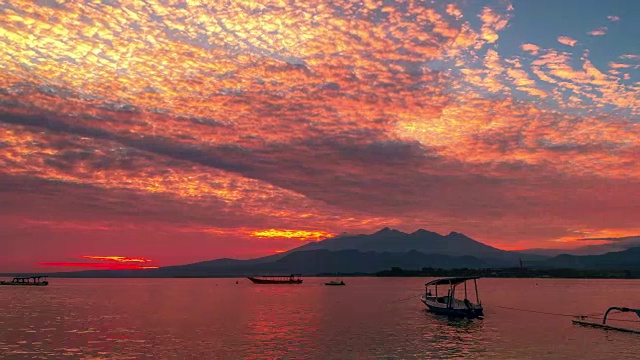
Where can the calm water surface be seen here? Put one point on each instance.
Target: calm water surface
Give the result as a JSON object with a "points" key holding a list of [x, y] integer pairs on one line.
{"points": [[219, 319]]}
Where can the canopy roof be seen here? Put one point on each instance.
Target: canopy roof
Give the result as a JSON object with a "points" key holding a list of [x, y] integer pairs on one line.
{"points": [[452, 280], [278, 276]]}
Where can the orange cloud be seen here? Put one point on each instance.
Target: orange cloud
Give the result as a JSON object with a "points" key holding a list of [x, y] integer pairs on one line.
{"points": [[601, 235], [492, 22], [291, 234], [101, 266], [614, 65], [531, 48], [565, 40], [454, 11], [598, 32], [120, 259], [107, 263]]}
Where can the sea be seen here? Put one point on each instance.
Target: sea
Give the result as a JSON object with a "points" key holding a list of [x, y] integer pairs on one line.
{"points": [[369, 318]]}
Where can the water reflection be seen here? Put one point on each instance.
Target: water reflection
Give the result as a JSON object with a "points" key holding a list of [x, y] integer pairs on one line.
{"points": [[454, 337], [194, 318]]}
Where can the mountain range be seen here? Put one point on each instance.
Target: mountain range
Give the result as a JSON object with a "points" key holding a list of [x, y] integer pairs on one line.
{"points": [[368, 253]]}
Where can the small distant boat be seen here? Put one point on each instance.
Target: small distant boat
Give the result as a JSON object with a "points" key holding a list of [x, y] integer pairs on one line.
{"points": [[581, 320], [448, 304], [27, 281], [291, 279], [335, 283]]}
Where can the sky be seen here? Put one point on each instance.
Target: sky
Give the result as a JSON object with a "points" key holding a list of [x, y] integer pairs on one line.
{"points": [[136, 134]]}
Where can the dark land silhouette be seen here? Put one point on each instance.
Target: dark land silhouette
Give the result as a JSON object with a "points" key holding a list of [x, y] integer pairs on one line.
{"points": [[421, 253]]}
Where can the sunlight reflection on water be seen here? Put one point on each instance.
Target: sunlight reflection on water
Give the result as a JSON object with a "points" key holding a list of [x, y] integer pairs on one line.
{"points": [[215, 318]]}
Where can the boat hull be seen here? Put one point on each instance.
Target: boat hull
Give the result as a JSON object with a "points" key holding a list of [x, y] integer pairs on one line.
{"points": [[604, 326], [469, 313], [10, 283], [335, 284], [268, 281]]}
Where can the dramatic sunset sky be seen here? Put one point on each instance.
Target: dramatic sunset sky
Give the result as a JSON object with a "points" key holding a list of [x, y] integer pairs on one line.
{"points": [[157, 132]]}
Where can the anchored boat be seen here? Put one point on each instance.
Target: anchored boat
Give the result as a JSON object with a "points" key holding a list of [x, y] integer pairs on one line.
{"points": [[291, 279], [439, 303], [581, 320], [335, 283], [27, 281]]}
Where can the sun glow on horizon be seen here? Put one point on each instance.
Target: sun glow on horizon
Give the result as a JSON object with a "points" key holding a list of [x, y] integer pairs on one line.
{"points": [[597, 237], [106, 263], [103, 266], [122, 259]]}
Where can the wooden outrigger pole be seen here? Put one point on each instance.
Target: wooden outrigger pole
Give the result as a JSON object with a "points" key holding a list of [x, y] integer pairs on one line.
{"points": [[604, 325]]}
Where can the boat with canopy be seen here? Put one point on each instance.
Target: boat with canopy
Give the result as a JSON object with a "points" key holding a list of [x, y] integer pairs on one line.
{"points": [[291, 279], [27, 281], [440, 297]]}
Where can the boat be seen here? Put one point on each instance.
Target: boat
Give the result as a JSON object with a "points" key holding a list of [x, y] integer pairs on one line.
{"points": [[335, 283], [448, 304], [27, 281], [291, 279], [581, 320]]}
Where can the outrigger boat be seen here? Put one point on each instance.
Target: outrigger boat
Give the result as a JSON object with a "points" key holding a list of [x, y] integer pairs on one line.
{"points": [[581, 320], [27, 281], [448, 304], [291, 279], [335, 283]]}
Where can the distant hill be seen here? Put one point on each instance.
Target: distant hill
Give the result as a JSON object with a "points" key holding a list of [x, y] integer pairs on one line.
{"points": [[349, 253], [543, 252], [424, 241], [451, 246], [612, 245], [311, 262], [628, 259], [386, 240], [305, 262], [353, 261]]}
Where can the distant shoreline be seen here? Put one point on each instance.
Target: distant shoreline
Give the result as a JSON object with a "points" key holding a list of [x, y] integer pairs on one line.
{"points": [[534, 273], [526, 273]]}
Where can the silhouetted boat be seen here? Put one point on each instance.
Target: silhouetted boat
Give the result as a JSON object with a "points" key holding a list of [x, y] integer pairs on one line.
{"points": [[448, 304], [27, 281], [603, 325], [335, 283], [291, 279]]}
